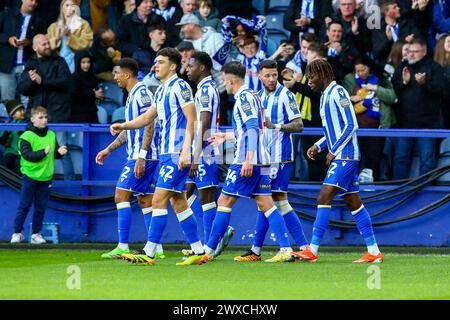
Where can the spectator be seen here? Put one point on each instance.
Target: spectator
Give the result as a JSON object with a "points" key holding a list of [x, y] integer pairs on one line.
{"points": [[418, 84], [441, 18], [132, 31], [129, 6], [372, 97], [146, 58], [207, 40], [399, 53], [304, 16], [84, 90], [105, 55], [45, 81], [355, 28], [208, 15], [39, 149], [341, 49], [164, 9], [298, 63], [186, 7], [95, 12], [49, 11], [10, 139], [392, 29], [70, 33], [283, 55], [442, 57], [186, 50], [418, 13], [18, 26]]}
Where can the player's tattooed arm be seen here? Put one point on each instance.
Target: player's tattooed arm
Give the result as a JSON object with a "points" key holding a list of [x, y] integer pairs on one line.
{"points": [[295, 125], [120, 141], [149, 131]]}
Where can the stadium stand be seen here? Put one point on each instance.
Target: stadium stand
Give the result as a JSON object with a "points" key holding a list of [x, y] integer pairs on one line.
{"points": [[113, 97], [102, 115], [3, 114], [118, 115], [280, 5]]}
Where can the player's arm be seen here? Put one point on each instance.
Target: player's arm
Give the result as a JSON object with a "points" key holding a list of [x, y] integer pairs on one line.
{"points": [[190, 114], [294, 126], [140, 122], [350, 125], [252, 140], [117, 143], [139, 167], [205, 127]]}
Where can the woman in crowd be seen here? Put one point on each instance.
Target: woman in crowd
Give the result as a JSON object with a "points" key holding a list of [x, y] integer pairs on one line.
{"points": [[70, 33]]}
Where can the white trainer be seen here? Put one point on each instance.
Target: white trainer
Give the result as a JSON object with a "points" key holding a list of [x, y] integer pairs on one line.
{"points": [[366, 176], [37, 238], [17, 238]]}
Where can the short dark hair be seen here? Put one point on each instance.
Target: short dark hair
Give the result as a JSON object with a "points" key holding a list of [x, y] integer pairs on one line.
{"points": [[335, 22], [129, 64], [287, 42], [320, 48], [268, 64], [235, 68], [158, 26], [171, 53], [419, 41], [384, 4], [250, 40], [309, 37], [204, 59]]}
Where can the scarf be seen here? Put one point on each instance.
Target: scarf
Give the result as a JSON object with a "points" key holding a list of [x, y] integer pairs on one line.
{"points": [[371, 101]]}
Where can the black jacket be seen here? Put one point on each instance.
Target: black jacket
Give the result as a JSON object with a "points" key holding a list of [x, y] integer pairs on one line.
{"points": [[132, 33], [418, 105], [52, 93], [381, 45], [422, 20], [10, 26], [84, 108], [26, 150], [322, 9]]}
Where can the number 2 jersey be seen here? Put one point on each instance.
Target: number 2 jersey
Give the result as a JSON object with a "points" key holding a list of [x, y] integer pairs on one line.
{"points": [[339, 124], [138, 101]]}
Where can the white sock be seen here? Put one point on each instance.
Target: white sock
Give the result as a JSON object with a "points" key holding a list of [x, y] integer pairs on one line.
{"points": [[373, 249], [256, 250], [288, 249], [208, 250], [197, 247], [159, 248], [314, 248], [302, 247], [123, 246], [150, 249]]}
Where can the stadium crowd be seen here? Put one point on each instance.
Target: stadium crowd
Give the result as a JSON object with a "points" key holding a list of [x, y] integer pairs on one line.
{"points": [[392, 56]]}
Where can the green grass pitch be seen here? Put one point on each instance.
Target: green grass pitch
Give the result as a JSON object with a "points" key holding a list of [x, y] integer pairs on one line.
{"points": [[43, 274]]}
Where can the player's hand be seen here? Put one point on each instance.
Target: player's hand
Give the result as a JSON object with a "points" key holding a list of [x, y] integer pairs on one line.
{"points": [[193, 172], [62, 150], [185, 160], [330, 158], [311, 153], [139, 168], [116, 128], [101, 156], [247, 169], [269, 124], [217, 139]]}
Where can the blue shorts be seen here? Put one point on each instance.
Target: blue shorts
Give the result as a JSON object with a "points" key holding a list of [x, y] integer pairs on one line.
{"points": [[170, 177], [208, 174], [144, 185], [344, 175], [257, 184], [280, 174]]}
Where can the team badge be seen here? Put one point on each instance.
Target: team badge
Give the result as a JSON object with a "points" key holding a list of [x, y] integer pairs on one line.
{"points": [[185, 92], [145, 98], [245, 105], [343, 100]]}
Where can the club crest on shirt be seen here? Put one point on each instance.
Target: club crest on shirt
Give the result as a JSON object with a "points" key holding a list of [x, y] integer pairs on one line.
{"points": [[185, 92], [245, 105], [343, 100], [145, 98]]}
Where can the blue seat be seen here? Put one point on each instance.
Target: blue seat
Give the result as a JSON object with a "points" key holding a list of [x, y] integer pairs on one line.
{"points": [[49, 231], [274, 22], [444, 148], [4, 116], [118, 115], [442, 162], [276, 37], [102, 115], [260, 6], [280, 5], [110, 107]]}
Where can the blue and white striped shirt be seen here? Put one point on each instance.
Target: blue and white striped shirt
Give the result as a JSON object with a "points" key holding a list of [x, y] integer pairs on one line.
{"points": [[252, 66], [280, 107], [167, 13], [339, 124], [170, 99], [248, 114], [207, 100], [138, 101]]}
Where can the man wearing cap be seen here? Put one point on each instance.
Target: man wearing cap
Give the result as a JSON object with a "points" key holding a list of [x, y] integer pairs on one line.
{"points": [[132, 30], [10, 139], [186, 50], [206, 39]]}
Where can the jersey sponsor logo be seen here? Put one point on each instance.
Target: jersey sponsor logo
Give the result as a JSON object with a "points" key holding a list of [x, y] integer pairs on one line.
{"points": [[185, 92], [204, 98]]}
